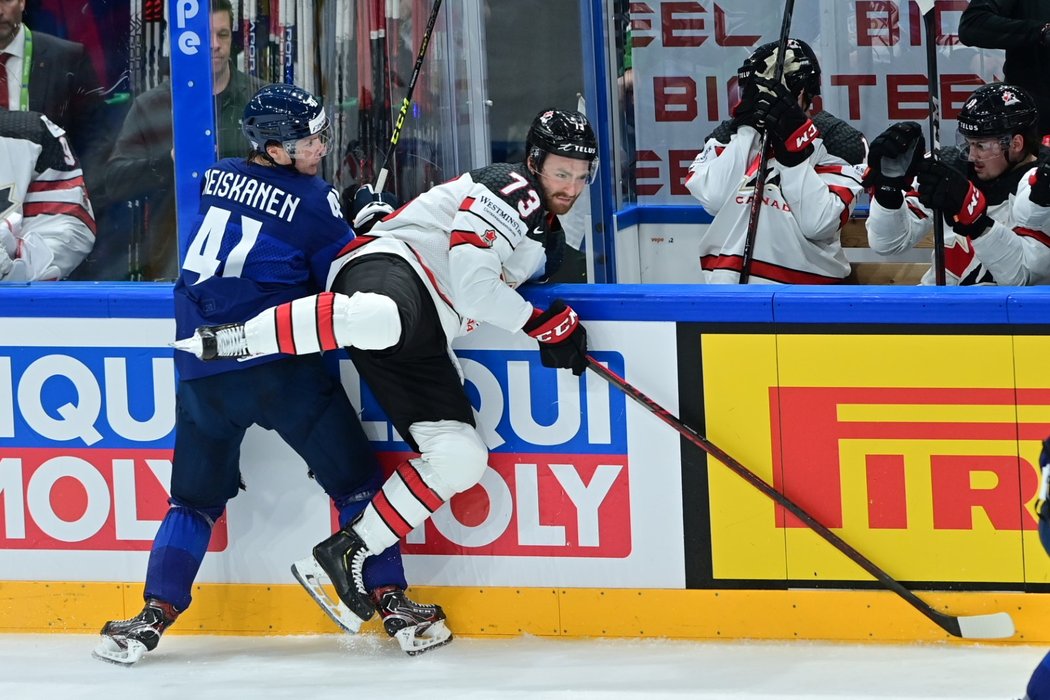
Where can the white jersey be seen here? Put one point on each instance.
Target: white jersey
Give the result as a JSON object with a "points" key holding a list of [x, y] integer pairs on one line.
{"points": [[49, 225], [472, 241], [1015, 250], [804, 207]]}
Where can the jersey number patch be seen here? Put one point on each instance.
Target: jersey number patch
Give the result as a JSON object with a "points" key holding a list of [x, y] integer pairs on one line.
{"points": [[203, 254], [530, 203]]}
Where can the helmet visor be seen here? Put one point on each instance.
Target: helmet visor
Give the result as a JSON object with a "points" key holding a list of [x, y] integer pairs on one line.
{"points": [[981, 149]]}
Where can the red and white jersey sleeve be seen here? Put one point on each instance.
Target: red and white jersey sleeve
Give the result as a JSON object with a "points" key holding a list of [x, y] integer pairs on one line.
{"points": [[41, 180], [803, 211], [1015, 250]]}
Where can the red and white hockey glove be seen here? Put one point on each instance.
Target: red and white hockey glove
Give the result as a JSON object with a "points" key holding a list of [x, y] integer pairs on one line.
{"points": [[943, 188], [791, 131], [562, 338]]}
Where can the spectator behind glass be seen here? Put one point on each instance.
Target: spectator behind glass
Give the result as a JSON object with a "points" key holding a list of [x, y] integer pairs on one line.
{"points": [[142, 165], [53, 76], [46, 222], [1022, 27]]}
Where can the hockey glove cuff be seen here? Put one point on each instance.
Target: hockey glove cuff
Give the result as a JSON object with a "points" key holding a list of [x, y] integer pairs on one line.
{"points": [[889, 197], [561, 336], [367, 209], [1040, 183]]}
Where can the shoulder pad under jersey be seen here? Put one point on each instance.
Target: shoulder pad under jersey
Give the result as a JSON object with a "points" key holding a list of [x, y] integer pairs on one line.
{"points": [[515, 185], [32, 127], [840, 139]]}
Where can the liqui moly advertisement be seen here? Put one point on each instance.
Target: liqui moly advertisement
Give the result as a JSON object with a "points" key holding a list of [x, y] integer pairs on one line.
{"points": [[582, 488]]}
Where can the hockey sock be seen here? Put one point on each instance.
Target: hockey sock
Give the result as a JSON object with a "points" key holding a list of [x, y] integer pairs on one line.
{"points": [[177, 553], [404, 502], [325, 321], [385, 568]]}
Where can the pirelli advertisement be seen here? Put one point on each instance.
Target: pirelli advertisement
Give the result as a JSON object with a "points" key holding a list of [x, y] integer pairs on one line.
{"points": [[907, 421]]}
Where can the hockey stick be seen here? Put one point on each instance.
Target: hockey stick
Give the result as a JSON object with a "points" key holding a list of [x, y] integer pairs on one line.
{"points": [[926, 7], [381, 179], [993, 626], [760, 176]]}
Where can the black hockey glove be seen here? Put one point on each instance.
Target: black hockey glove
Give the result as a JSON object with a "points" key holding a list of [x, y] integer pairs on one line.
{"points": [[950, 192], [1040, 182], [367, 209], [745, 114], [791, 131], [893, 157], [562, 338]]}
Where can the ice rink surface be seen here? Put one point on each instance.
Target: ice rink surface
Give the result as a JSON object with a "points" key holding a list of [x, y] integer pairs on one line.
{"points": [[60, 667]]}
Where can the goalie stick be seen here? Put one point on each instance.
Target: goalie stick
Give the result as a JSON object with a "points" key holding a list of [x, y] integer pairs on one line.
{"points": [[763, 162], [992, 626]]}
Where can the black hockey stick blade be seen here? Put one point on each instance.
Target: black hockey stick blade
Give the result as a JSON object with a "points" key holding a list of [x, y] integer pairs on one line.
{"points": [[993, 626]]}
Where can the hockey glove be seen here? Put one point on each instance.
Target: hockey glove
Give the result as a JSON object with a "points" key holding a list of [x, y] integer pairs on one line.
{"points": [[893, 157], [367, 209], [1042, 507], [562, 338], [791, 131], [744, 114], [1040, 182], [949, 191]]}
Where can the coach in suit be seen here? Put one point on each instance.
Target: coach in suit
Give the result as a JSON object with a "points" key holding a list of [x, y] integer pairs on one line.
{"points": [[43, 73]]}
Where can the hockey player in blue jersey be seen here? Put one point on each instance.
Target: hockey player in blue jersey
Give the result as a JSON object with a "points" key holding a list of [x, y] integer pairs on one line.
{"points": [[1039, 683], [432, 271], [266, 233]]}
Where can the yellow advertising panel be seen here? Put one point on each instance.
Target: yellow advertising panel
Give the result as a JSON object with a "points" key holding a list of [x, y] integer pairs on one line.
{"points": [[917, 450]]}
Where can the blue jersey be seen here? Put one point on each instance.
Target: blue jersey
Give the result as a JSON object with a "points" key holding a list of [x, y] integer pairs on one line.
{"points": [[263, 236]]}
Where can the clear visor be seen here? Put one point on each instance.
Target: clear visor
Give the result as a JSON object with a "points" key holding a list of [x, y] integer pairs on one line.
{"points": [[567, 174], [312, 145], [978, 150]]}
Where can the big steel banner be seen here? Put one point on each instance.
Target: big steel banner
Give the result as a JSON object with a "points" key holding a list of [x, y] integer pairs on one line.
{"points": [[581, 488], [871, 53]]}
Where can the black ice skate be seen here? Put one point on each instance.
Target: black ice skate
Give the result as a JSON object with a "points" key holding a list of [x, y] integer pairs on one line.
{"points": [[125, 641], [342, 558], [417, 628], [216, 342]]}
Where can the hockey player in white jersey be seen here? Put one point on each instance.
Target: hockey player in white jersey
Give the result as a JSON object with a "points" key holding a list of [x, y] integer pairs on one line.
{"points": [[427, 273], [994, 233], [47, 226], [813, 177]]}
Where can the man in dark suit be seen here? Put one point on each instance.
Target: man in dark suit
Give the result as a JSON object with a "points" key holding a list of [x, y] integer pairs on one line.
{"points": [[43, 73]]}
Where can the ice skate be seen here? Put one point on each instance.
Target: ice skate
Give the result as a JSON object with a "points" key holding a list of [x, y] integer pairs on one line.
{"points": [[342, 558], [125, 641], [417, 628], [216, 342]]}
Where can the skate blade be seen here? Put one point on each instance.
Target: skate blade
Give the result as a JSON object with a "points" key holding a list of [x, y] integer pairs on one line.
{"points": [[108, 650], [191, 345], [312, 577], [420, 639]]}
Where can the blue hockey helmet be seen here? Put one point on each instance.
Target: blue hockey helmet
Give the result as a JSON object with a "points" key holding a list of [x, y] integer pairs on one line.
{"points": [[283, 114]]}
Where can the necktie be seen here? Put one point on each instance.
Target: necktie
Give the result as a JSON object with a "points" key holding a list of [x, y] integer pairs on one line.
{"points": [[4, 103]]}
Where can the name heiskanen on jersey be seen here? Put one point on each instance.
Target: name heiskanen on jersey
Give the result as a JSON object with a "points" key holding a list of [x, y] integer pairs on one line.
{"points": [[251, 193]]}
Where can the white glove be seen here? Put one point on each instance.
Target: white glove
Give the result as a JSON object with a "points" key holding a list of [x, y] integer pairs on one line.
{"points": [[371, 215], [10, 228], [5, 263]]}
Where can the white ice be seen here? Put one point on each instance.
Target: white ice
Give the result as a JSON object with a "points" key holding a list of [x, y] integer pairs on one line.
{"points": [[369, 667]]}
